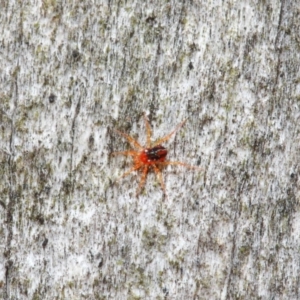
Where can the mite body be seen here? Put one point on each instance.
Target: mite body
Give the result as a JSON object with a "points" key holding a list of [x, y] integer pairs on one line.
{"points": [[152, 156]]}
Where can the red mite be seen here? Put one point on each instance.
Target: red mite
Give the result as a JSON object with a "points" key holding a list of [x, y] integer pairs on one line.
{"points": [[152, 156]]}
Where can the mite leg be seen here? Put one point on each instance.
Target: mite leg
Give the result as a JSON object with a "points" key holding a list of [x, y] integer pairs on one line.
{"points": [[178, 163], [148, 131], [131, 140], [143, 180], [160, 178], [167, 137], [128, 172], [126, 153]]}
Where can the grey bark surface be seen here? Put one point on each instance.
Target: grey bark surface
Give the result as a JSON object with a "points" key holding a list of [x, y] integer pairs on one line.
{"points": [[71, 72]]}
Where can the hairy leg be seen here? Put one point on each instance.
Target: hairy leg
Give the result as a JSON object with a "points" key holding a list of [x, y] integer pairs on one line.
{"points": [[126, 153], [143, 180], [129, 171], [167, 137], [131, 140], [148, 131], [160, 178], [178, 163]]}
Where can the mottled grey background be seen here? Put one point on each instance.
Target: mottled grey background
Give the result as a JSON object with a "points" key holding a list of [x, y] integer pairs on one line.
{"points": [[71, 71]]}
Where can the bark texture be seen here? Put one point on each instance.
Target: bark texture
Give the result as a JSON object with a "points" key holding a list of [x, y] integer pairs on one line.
{"points": [[72, 71]]}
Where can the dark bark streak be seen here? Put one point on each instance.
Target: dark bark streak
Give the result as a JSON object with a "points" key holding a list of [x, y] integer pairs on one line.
{"points": [[77, 110], [277, 45], [12, 197], [227, 285]]}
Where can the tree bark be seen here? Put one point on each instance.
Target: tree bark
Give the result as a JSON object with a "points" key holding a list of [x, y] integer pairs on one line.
{"points": [[72, 72]]}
